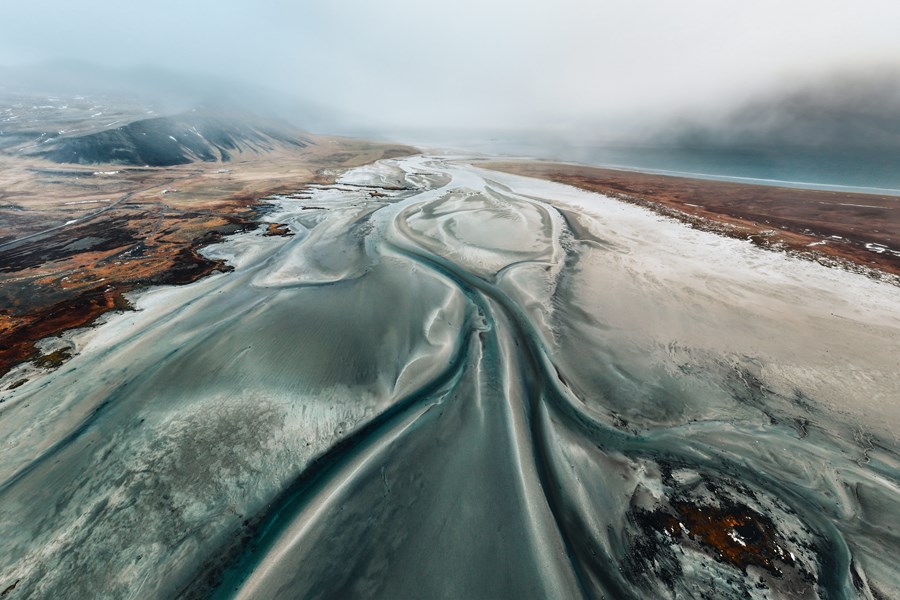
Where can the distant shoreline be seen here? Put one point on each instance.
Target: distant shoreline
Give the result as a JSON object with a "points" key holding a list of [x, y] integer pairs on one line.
{"points": [[799, 185], [856, 231]]}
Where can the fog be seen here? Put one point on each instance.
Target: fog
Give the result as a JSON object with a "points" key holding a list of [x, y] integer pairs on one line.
{"points": [[407, 68]]}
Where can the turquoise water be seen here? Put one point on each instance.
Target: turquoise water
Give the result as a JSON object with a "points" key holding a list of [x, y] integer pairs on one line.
{"points": [[852, 170], [862, 170]]}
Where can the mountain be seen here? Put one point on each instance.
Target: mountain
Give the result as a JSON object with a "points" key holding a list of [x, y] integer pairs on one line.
{"points": [[165, 91], [173, 140], [842, 111]]}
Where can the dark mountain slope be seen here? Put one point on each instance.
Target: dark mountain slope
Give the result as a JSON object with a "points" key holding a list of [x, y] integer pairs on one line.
{"points": [[844, 111], [175, 140]]}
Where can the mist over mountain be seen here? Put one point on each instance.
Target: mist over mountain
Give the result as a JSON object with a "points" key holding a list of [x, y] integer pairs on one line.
{"points": [[839, 110], [846, 110], [164, 90]]}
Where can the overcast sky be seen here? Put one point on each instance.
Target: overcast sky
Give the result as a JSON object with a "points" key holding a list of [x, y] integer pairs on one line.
{"points": [[504, 63]]}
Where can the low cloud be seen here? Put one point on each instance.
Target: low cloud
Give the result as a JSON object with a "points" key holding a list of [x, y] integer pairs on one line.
{"points": [[402, 66]]}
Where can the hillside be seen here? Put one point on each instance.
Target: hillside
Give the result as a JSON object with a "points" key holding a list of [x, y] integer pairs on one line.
{"points": [[174, 140], [843, 111]]}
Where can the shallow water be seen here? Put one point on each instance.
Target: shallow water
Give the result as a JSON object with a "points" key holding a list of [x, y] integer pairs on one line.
{"points": [[851, 169], [458, 383]]}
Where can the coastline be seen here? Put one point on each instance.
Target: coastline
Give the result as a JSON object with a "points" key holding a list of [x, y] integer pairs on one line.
{"points": [[50, 284], [849, 230]]}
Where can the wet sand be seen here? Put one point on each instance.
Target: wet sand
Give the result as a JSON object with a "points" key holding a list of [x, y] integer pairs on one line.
{"points": [[851, 230], [458, 382]]}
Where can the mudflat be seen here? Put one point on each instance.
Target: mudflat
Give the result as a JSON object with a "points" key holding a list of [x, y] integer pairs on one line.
{"points": [[854, 230], [74, 238]]}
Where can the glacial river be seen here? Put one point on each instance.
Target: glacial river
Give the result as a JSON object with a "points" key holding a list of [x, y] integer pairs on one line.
{"points": [[457, 383]]}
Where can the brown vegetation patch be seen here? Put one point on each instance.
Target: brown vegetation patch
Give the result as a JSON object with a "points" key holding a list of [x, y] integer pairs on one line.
{"points": [[19, 333], [734, 533], [276, 229], [72, 246]]}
